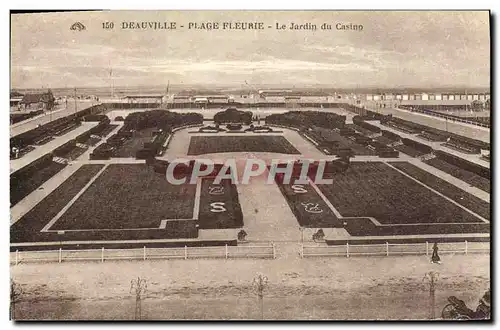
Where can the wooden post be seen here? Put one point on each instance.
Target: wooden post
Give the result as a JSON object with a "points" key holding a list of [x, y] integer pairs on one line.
{"points": [[302, 250], [226, 251], [144, 256], [274, 251], [426, 248], [387, 248], [102, 254], [60, 255], [185, 252], [466, 248], [347, 249], [17, 257]]}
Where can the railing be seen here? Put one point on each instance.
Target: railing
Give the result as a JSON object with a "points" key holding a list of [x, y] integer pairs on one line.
{"points": [[394, 249], [101, 255]]}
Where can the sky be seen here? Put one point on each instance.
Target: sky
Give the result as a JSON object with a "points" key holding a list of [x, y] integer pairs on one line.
{"points": [[394, 49]]}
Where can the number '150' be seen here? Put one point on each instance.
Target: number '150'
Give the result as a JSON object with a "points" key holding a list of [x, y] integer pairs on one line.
{"points": [[108, 25]]}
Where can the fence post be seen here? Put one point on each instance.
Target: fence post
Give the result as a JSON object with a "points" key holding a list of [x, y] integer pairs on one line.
{"points": [[301, 250], [144, 252], [60, 255], [465, 247], [426, 248], [274, 251], [102, 254], [226, 251], [185, 252], [347, 249], [387, 248], [17, 257]]}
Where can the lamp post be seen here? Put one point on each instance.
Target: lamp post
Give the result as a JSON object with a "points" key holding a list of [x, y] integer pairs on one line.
{"points": [[432, 277], [139, 287], [260, 283]]}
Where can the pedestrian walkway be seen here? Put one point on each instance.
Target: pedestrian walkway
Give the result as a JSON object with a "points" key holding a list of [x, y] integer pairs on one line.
{"points": [[267, 215], [467, 130], [16, 164], [435, 145], [48, 116]]}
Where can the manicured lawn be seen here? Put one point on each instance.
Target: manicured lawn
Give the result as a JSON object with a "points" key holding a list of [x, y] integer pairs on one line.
{"points": [[200, 145], [471, 178], [128, 196], [306, 198], [22, 187], [471, 202], [28, 227], [228, 214], [376, 190]]}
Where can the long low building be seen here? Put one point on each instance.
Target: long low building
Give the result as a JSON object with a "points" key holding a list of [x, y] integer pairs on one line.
{"points": [[144, 98], [428, 96]]}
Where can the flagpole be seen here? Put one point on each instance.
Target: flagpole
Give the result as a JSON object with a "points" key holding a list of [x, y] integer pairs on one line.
{"points": [[112, 84], [75, 101]]}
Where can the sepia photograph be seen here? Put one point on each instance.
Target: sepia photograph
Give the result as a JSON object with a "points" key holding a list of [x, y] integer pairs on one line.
{"points": [[250, 165]]}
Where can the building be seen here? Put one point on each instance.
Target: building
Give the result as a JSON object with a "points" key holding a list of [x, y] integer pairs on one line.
{"points": [[181, 99], [144, 99], [39, 101], [274, 93], [200, 100], [216, 98], [15, 101]]}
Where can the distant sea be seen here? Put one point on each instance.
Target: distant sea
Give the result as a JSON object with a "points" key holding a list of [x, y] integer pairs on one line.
{"points": [[121, 91]]}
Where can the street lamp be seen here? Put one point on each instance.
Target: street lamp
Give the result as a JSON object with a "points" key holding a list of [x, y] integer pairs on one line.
{"points": [[260, 283], [138, 286], [432, 278]]}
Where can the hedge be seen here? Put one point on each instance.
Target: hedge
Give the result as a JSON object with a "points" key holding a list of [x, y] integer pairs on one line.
{"points": [[233, 115], [391, 135], [417, 145], [32, 167], [65, 148], [464, 164], [49, 129], [307, 118]]}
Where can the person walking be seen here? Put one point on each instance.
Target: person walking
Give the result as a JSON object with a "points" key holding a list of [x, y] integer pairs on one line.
{"points": [[435, 256]]}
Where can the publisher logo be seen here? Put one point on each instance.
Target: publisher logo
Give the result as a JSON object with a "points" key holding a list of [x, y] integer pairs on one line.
{"points": [[77, 27]]}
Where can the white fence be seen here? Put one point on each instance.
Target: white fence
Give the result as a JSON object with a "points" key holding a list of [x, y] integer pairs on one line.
{"points": [[223, 252], [388, 249]]}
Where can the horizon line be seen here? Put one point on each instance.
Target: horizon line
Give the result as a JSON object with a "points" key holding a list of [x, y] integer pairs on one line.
{"points": [[263, 86]]}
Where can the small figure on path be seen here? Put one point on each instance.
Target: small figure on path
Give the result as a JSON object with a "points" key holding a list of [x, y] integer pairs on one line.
{"points": [[242, 235], [435, 256]]}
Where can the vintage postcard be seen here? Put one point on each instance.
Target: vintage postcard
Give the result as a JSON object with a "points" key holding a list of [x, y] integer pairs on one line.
{"points": [[250, 165]]}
